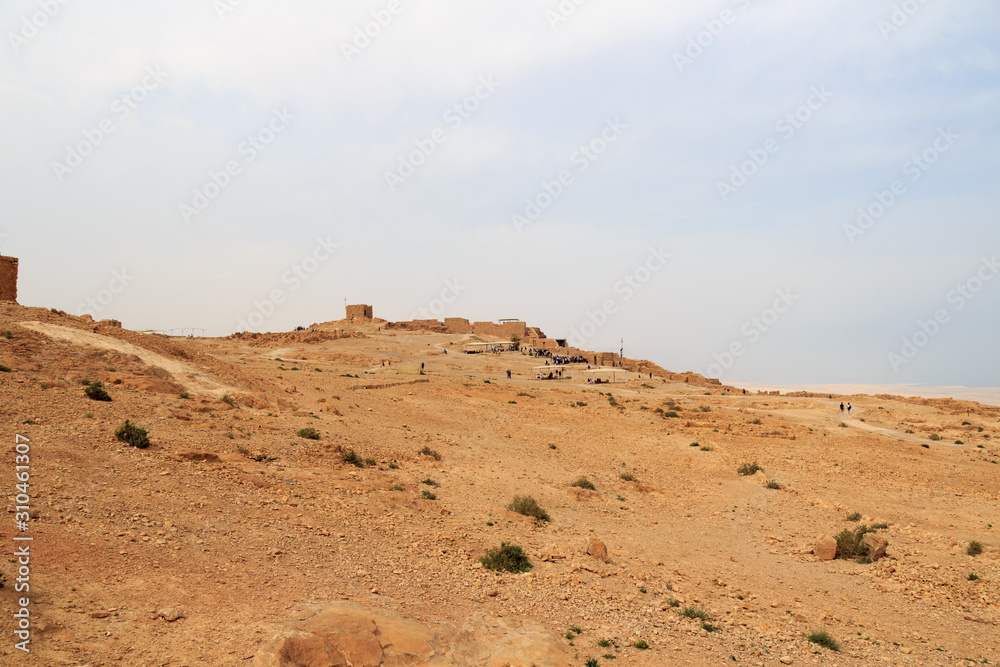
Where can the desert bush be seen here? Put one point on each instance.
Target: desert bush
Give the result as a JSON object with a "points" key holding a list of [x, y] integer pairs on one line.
{"points": [[604, 643], [671, 414], [584, 483], [133, 435], [430, 482], [694, 444], [371, 462], [309, 433], [507, 558], [350, 456], [771, 484], [427, 451], [823, 638], [528, 506], [749, 469], [4, 369], [975, 548], [428, 495], [7, 334], [628, 477], [642, 645], [696, 612], [708, 627], [755, 421], [849, 544], [673, 602], [973, 576], [184, 395], [398, 488], [879, 526], [95, 392], [707, 448], [228, 400], [935, 437], [854, 516]]}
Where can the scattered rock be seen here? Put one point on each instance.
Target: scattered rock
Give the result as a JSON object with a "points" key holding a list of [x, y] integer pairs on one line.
{"points": [[597, 549], [170, 614], [199, 456]]}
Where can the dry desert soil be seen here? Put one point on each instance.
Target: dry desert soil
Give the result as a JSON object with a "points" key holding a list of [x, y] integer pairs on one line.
{"points": [[234, 540]]}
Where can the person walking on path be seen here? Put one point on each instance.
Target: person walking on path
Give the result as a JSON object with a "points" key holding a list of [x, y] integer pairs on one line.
{"points": [[848, 409], [841, 406], [508, 375]]}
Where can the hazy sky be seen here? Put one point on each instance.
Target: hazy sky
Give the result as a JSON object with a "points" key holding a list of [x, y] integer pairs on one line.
{"points": [[779, 192]]}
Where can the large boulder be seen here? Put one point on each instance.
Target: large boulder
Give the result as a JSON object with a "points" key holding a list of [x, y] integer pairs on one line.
{"points": [[348, 635], [826, 548], [876, 545]]}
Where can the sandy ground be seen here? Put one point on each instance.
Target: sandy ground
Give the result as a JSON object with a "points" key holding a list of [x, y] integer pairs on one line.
{"points": [[234, 548]]}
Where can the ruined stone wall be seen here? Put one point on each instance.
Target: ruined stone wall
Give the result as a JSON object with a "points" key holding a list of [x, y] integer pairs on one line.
{"points": [[8, 278], [507, 330], [359, 313], [457, 325]]}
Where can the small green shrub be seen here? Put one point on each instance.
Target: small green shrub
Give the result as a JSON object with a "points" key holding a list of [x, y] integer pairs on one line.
{"points": [[694, 444], [628, 477], [707, 448], [771, 484], [696, 612], [427, 451], [309, 433], [428, 495], [642, 645], [7, 334], [935, 437], [975, 548], [95, 392], [132, 435], [708, 627], [671, 414], [508, 558], [350, 456], [973, 576], [398, 488], [371, 462], [849, 544], [4, 369], [755, 421], [604, 643], [228, 400], [552, 446], [393, 465], [823, 638], [592, 662], [577, 629], [749, 469], [528, 506], [854, 516], [959, 442], [430, 482], [925, 446], [672, 602], [584, 483], [879, 526], [184, 395]]}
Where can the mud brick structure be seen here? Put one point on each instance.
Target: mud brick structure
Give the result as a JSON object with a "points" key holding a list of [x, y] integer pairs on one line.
{"points": [[359, 313], [8, 278]]}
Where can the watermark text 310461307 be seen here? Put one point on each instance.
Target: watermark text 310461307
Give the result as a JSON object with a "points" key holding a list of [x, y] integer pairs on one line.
{"points": [[22, 542]]}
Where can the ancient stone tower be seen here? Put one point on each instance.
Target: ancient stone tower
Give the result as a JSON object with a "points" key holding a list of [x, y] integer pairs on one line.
{"points": [[360, 313], [8, 278]]}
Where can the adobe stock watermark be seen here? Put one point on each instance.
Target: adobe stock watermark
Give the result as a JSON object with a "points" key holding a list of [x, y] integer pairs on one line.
{"points": [[704, 39], [454, 118], [581, 158], [437, 307], [32, 26], [95, 305], [121, 108], [899, 17], [624, 289], [294, 277], [786, 127], [883, 200], [751, 332], [225, 7], [562, 13], [370, 31], [957, 298], [249, 149]]}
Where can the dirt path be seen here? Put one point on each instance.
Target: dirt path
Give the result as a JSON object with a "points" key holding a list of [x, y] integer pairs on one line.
{"points": [[191, 378]]}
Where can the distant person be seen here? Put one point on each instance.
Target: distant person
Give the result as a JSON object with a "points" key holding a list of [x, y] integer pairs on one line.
{"points": [[841, 406], [848, 409], [508, 375], [421, 365]]}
